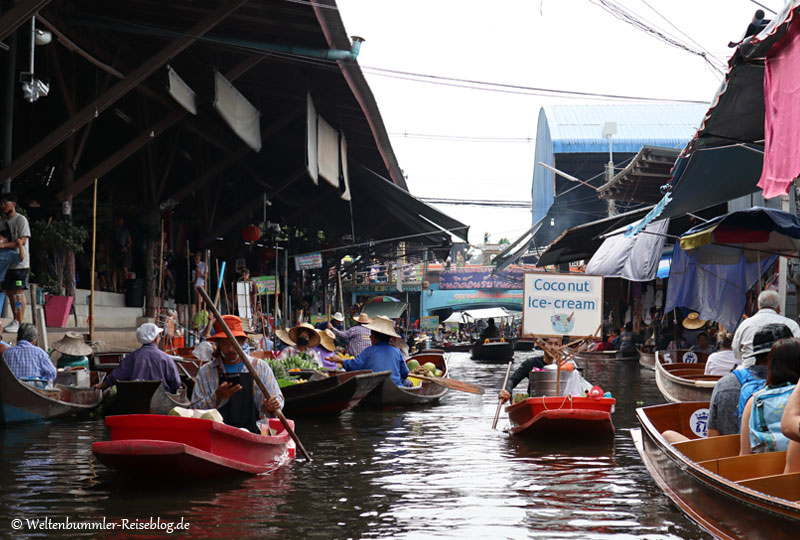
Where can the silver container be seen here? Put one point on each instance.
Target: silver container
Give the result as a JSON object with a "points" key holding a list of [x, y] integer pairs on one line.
{"points": [[543, 383]]}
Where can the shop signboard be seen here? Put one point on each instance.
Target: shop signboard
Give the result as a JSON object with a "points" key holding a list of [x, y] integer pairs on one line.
{"points": [[562, 305], [266, 284], [309, 261], [429, 324]]}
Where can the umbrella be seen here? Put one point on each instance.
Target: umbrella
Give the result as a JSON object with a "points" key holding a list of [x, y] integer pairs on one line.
{"points": [[755, 233], [382, 299]]}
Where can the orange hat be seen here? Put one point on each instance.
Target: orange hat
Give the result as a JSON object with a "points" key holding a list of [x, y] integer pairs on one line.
{"points": [[235, 325]]}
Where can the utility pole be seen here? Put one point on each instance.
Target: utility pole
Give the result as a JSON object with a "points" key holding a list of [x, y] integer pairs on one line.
{"points": [[609, 130]]}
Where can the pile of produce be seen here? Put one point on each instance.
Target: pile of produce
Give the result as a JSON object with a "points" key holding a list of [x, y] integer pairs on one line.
{"points": [[300, 361], [520, 397], [428, 369]]}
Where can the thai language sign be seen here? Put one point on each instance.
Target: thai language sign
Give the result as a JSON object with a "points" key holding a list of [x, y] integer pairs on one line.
{"points": [[562, 305], [480, 278], [308, 262], [429, 324], [266, 284]]}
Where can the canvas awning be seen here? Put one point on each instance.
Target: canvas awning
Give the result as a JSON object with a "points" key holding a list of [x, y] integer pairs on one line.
{"points": [[393, 310], [487, 313], [642, 179], [455, 317], [635, 258]]}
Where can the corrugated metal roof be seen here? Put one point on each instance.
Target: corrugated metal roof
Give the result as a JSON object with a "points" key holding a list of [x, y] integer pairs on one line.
{"points": [[578, 128]]}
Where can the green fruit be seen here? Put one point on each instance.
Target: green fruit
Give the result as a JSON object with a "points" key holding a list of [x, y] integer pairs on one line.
{"points": [[413, 364], [438, 373], [430, 366]]}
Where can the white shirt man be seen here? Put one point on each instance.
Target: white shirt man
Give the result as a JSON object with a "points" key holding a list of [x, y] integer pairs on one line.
{"points": [[768, 313]]}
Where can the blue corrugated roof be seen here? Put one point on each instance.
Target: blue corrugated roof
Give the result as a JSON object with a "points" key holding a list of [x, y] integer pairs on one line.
{"points": [[578, 128]]}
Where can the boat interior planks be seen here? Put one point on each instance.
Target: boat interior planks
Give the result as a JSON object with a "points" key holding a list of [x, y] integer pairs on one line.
{"points": [[683, 381], [730, 496]]}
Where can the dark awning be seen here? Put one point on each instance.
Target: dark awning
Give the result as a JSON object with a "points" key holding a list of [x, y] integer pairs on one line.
{"points": [[642, 179], [580, 243]]}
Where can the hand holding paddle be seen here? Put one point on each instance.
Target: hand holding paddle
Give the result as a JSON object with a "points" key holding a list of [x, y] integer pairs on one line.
{"points": [[499, 399], [253, 372]]}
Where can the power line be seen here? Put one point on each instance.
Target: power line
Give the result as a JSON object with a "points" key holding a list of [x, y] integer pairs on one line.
{"points": [[510, 88], [476, 202], [461, 138], [759, 4]]}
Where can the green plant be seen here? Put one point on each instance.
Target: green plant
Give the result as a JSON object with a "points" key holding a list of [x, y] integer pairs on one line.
{"points": [[57, 238]]}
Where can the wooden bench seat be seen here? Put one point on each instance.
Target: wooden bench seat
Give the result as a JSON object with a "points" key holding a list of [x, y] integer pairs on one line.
{"points": [[710, 448], [783, 486], [738, 468]]}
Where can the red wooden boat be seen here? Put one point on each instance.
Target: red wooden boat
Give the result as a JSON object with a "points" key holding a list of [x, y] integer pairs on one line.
{"points": [[565, 417], [155, 445]]}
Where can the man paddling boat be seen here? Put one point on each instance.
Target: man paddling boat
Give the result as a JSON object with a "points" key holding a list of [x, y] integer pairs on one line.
{"points": [[225, 383], [381, 356]]}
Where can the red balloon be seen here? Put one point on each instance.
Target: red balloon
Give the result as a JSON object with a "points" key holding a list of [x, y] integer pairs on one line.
{"points": [[251, 233]]}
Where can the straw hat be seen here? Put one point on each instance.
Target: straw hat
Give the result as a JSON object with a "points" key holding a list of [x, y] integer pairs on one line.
{"points": [[338, 316], [235, 325], [326, 338], [283, 335], [693, 322], [313, 341], [362, 318], [382, 325], [72, 344]]}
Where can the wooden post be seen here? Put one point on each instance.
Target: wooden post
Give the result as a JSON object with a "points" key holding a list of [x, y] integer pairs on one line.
{"points": [[94, 256], [341, 295], [161, 273]]}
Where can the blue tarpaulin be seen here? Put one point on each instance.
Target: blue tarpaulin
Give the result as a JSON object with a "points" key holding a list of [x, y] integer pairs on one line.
{"points": [[716, 292]]}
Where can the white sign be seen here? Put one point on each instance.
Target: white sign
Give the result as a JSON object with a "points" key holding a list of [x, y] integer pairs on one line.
{"points": [[308, 262], [562, 305], [699, 422]]}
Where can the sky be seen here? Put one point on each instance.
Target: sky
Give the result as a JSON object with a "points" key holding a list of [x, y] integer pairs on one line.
{"points": [[562, 44]]}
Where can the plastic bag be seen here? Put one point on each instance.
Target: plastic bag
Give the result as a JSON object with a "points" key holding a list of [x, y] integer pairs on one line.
{"points": [[576, 385]]}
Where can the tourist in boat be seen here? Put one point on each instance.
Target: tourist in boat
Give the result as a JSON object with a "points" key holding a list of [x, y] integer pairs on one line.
{"points": [[381, 355], [703, 344], [769, 311], [723, 413], [147, 363], [490, 332], [524, 370], [723, 361], [761, 431], [26, 360], [627, 339], [326, 349], [358, 337], [227, 385], [678, 343], [790, 424], [305, 340]]}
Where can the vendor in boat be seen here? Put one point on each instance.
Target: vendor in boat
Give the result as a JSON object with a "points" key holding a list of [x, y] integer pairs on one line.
{"points": [[490, 332], [381, 356], [327, 349], [357, 337], [147, 363], [225, 384], [723, 361], [26, 360], [723, 412], [305, 339], [74, 351], [769, 312], [761, 432], [551, 351], [703, 344], [336, 320]]}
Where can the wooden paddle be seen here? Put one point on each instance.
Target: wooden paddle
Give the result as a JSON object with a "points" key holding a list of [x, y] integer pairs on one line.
{"points": [[500, 401], [452, 384], [249, 366]]}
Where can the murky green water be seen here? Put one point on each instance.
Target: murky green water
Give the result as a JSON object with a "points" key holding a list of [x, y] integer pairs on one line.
{"points": [[436, 472]]}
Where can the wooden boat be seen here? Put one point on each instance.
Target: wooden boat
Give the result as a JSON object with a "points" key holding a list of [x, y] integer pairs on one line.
{"points": [[144, 397], [647, 357], [605, 356], [524, 344], [145, 445], [22, 402], [388, 394], [331, 395], [564, 418], [463, 346], [683, 381], [728, 495], [493, 351]]}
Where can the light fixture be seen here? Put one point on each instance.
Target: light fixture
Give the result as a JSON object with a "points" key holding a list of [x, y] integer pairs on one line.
{"points": [[32, 87]]}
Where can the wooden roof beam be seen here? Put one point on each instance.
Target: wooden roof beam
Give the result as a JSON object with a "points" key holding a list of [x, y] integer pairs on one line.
{"points": [[120, 89], [19, 14]]}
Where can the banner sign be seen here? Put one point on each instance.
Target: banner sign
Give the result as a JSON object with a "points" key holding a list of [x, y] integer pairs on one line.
{"points": [[266, 284], [562, 305], [429, 324], [308, 262], [481, 278], [314, 319]]}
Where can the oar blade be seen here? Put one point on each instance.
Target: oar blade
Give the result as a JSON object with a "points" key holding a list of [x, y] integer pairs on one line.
{"points": [[452, 384]]}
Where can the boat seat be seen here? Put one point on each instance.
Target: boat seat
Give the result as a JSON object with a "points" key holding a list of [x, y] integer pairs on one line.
{"points": [[710, 447], [747, 467], [783, 486]]}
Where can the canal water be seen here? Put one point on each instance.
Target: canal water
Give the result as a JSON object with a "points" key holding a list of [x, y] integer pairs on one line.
{"points": [[435, 472]]}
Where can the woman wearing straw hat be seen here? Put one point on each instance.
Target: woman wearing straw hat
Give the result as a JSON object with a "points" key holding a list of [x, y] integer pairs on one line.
{"points": [[305, 338], [225, 384], [381, 356], [327, 349], [73, 351], [357, 337]]}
